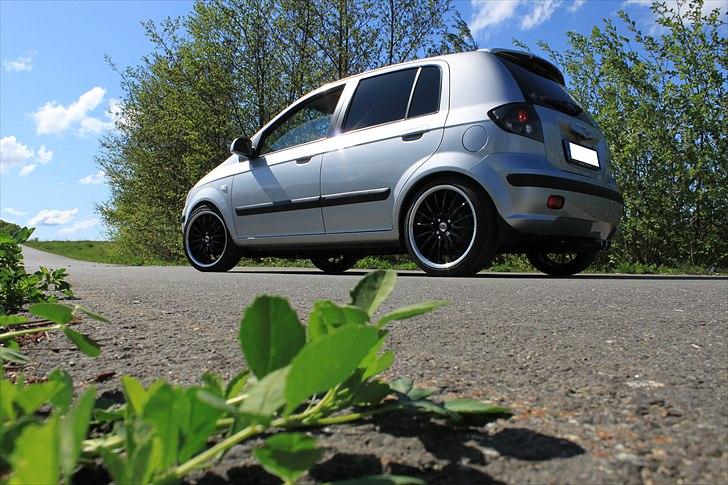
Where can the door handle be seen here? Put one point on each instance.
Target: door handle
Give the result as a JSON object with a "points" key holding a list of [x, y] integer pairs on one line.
{"points": [[413, 135], [301, 161]]}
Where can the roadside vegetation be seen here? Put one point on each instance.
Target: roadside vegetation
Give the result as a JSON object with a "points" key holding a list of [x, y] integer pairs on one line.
{"points": [[329, 372]]}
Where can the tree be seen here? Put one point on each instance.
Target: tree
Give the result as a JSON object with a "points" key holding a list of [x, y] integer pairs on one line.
{"points": [[662, 101], [223, 71]]}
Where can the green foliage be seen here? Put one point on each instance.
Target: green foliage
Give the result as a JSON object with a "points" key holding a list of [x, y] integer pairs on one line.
{"points": [[226, 69], [49, 317], [162, 432], [17, 287], [662, 101]]}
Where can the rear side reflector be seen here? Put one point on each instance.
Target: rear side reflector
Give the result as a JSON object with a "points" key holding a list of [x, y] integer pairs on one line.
{"points": [[555, 202]]}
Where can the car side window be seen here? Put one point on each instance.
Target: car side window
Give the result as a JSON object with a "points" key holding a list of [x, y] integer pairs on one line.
{"points": [[309, 122], [380, 99], [426, 97]]}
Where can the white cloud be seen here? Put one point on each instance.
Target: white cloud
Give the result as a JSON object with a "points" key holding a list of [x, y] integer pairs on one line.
{"points": [[491, 15], [94, 178], [27, 169], [12, 212], [575, 5], [79, 226], [682, 5], [56, 118], [52, 217], [13, 153], [540, 13], [22, 63], [44, 155]]}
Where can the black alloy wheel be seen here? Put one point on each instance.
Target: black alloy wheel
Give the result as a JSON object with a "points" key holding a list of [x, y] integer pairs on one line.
{"points": [[334, 264], [565, 263], [208, 245], [450, 228]]}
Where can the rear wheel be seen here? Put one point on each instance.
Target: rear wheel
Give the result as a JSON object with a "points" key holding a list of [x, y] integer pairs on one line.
{"points": [[336, 264], [450, 229], [207, 242], [562, 264]]}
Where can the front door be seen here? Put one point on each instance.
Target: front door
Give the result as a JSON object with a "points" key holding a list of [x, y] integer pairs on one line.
{"points": [[277, 193]]}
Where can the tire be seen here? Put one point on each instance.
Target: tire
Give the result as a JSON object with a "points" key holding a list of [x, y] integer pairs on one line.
{"points": [[207, 242], [450, 228], [562, 264], [335, 264]]}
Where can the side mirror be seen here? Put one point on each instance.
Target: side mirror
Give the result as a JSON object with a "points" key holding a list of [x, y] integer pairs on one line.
{"points": [[242, 146]]}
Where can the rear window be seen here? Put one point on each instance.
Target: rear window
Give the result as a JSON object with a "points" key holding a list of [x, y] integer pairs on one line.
{"points": [[426, 98], [380, 99], [539, 90]]}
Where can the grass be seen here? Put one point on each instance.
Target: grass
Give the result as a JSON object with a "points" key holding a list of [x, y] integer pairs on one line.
{"points": [[106, 252]]}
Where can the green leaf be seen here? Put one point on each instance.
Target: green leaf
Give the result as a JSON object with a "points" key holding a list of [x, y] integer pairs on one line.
{"points": [[136, 395], [84, 343], [409, 312], [214, 383], [379, 365], [327, 362], [288, 455], [8, 320], [270, 335], [327, 317], [402, 385], [373, 289], [200, 425], [237, 384], [216, 402], [54, 312], [32, 397], [420, 393], [266, 396], [73, 428], [381, 480], [476, 412], [35, 456], [115, 466], [12, 355], [166, 411], [89, 313], [62, 399]]}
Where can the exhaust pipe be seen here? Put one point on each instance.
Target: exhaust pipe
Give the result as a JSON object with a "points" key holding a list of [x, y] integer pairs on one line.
{"points": [[604, 244]]}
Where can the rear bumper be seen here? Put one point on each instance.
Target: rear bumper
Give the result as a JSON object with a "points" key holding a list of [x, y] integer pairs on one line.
{"points": [[521, 184]]}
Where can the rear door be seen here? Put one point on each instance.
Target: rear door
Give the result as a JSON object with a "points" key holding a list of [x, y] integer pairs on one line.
{"points": [[394, 122], [571, 136]]}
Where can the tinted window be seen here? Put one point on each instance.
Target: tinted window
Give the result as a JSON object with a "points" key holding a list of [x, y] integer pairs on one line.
{"points": [[380, 99], [426, 98], [309, 122], [539, 90]]}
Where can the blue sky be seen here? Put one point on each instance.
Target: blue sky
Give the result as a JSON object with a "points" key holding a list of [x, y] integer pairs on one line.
{"points": [[57, 92]]}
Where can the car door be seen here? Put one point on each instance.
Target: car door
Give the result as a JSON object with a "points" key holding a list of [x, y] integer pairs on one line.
{"points": [[277, 193], [393, 123]]}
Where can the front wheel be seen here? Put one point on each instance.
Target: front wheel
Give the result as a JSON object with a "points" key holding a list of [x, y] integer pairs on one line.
{"points": [[334, 264], [208, 245], [450, 228], [562, 264]]}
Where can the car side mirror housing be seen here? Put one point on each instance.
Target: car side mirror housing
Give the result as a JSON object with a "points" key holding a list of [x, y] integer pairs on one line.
{"points": [[242, 146]]}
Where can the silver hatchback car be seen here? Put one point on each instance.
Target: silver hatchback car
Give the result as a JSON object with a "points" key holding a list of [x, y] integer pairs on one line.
{"points": [[452, 159]]}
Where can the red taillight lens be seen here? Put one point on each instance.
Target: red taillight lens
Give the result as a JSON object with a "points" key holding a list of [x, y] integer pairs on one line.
{"points": [[519, 119]]}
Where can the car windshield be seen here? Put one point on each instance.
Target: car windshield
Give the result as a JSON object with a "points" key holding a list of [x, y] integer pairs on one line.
{"points": [[545, 92]]}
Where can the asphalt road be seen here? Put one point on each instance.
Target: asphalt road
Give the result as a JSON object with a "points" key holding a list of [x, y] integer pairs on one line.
{"points": [[610, 378]]}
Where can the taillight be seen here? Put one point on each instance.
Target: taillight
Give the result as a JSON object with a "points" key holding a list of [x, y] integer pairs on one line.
{"points": [[518, 118]]}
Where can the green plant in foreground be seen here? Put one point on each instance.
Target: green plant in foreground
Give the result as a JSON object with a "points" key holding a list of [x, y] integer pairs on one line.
{"points": [[17, 287], [300, 377]]}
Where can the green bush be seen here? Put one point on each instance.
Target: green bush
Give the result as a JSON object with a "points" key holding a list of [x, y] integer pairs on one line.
{"points": [[17, 287]]}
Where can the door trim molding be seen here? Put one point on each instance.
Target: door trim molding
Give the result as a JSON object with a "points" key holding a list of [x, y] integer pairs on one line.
{"points": [[330, 200]]}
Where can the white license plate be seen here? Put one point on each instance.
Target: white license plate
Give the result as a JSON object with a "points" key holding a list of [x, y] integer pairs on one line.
{"points": [[581, 154]]}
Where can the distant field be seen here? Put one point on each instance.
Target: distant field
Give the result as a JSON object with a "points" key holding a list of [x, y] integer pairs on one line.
{"points": [[106, 252]]}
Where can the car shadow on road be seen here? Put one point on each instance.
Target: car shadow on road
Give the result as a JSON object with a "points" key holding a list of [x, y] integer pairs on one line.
{"points": [[534, 276]]}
